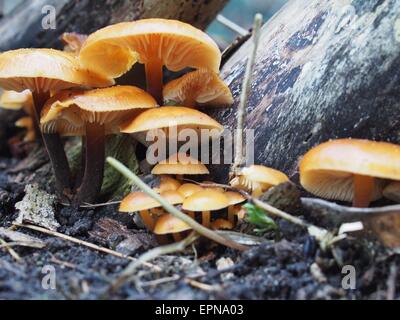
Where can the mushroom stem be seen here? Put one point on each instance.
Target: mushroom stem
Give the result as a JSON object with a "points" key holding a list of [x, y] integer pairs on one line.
{"points": [[190, 214], [94, 164], [363, 190], [231, 214], [205, 218], [179, 177], [177, 236], [79, 175], [147, 219], [54, 147], [154, 79]]}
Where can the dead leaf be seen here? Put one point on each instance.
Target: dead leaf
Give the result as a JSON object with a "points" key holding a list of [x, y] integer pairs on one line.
{"points": [[24, 239]]}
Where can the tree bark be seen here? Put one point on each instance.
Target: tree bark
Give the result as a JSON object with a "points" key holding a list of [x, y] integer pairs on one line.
{"points": [[325, 70], [23, 28]]}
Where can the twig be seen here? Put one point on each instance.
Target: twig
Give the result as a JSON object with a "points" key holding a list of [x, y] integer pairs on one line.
{"points": [[10, 250], [171, 209], [203, 286], [246, 88], [231, 25], [149, 255], [83, 243], [97, 205], [157, 282]]}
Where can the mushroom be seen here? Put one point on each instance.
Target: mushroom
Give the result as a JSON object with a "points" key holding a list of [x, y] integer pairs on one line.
{"points": [[392, 191], [350, 170], [167, 184], [168, 118], [206, 201], [93, 114], [113, 50], [219, 224], [180, 164], [27, 123], [257, 179], [169, 224], [73, 41], [234, 199], [13, 100], [187, 189], [201, 87], [42, 71], [143, 203]]}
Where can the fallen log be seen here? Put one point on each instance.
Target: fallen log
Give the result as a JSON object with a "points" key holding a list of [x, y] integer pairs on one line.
{"points": [[325, 69], [23, 27]]}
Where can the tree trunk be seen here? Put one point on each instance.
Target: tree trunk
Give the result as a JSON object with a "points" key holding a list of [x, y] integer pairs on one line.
{"points": [[23, 28], [325, 70]]}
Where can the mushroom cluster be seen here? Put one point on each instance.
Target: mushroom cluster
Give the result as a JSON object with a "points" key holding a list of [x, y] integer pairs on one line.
{"points": [[74, 93], [215, 207]]}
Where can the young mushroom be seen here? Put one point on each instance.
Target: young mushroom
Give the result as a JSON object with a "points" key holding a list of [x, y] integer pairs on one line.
{"points": [[235, 198], [168, 118], [42, 71], [257, 179], [223, 224], [167, 184], [155, 43], [27, 123], [205, 201], [93, 114], [198, 88], [180, 164], [144, 204], [13, 100], [350, 170], [169, 224]]}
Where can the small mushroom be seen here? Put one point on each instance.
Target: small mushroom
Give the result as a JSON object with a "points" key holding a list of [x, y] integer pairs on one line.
{"points": [[42, 71], [73, 41], [350, 170], [180, 164], [206, 201], [223, 224], [258, 179], [169, 224], [167, 184], [142, 203], [234, 198], [166, 118], [198, 88], [27, 123], [187, 189], [93, 114], [13, 100], [113, 50]]}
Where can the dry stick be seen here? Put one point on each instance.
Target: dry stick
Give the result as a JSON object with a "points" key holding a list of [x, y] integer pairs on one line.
{"points": [[171, 209], [232, 25], [150, 255], [10, 250], [241, 113], [83, 243]]}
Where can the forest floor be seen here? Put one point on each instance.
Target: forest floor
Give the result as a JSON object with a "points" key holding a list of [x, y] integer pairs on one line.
{"points": [[292, 267]]}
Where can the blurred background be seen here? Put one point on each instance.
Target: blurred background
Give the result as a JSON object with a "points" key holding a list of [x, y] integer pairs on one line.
{"points": [[240, 12]]}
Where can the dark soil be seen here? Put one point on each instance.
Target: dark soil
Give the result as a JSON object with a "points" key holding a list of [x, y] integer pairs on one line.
{"points": [[273, 270]]}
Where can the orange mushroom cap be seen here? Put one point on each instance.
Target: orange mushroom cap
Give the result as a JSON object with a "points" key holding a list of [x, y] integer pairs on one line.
{"points": [[17, 100], [206, 200], [168, 223], [166, 117], [234, 197], [180, 164], [114, 49], [27, 123], [68, 111], [138, 201], [257, 176], [328, 169], [203, 87], [168, 184], [187, 189], [219, 224], [45, 70]]}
